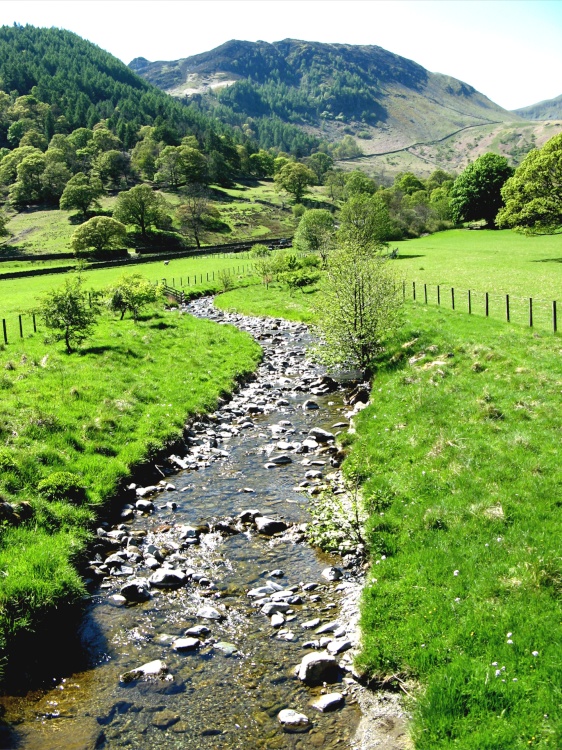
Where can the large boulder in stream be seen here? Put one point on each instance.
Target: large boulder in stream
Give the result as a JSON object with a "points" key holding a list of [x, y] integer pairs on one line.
{"points": [[136, 590], [152, 670], [167, 578], [316, 668], [269, 526]]}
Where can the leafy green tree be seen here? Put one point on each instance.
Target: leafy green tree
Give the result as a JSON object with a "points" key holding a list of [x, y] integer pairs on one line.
{"points": [[68, 313], [131, 293], [11, 161], [476, 193], [104, 140], [193, 166], [81, 193], [262, 164], [28, 188], [54, 179], [193, 213], [335, 183], [359, 305], [315, 232], [141, 207], [294, 178], [408, 183], [358, 183], [169, 166], [320, 163], [4, 231], [365, 221], [533, 196], [112, 167], [100, 234]]}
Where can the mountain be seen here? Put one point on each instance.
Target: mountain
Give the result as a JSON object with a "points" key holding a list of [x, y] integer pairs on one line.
{"points": [[325, 90], [83, 84], [549, 109]]}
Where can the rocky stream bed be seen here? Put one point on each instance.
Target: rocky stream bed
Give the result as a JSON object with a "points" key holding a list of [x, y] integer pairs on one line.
{"points": [[212, 623]]}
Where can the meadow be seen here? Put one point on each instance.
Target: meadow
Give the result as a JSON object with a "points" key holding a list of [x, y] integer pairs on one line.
{"points": [[95, 414]]}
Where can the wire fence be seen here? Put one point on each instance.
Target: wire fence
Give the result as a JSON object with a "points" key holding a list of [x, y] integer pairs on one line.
{"points": [[533, 312]]}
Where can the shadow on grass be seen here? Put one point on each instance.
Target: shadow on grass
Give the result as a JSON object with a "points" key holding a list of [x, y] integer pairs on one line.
{"points": [[124, 350], [548, 260], [407, 257], [161, 326]]}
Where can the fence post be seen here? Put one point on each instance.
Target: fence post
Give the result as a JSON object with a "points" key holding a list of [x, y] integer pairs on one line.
{"points": [[207, 276], [507, 306], [487, 305], [530, 312], [554, 320], [21, 327], [469, 304], [403, 290], [90, 298], [213, 275], [414, 290], [5, 331], [34, 324], [438, 295], [425, 293], [453, 298]]}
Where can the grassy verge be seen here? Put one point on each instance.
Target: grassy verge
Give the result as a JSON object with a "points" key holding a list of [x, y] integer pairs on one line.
{"points": [[95, 414], [459, 459]]}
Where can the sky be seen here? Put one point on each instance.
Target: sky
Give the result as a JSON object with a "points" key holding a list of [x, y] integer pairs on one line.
{"points": [[510, 50]]}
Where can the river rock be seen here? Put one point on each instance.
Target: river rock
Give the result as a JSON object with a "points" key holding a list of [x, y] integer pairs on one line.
{"points": [[316, 668], [277, 620], [186, 644], [311, 623], [328, 702], [167, 578], [151, 670], [281, 459], [136, 590], [292, 720], [228, 649], [339, 646], [332, 574], [274, 607], [197, 631], [164, 719], [310, 404], [277, 573], [269, 526], [321, 436], [328, 627], [209, 613], [249, 516], [269, 588]]}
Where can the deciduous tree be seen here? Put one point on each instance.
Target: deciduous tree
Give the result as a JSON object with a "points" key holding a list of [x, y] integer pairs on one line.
{"points": [[68, 313], [98, 235], [131, 293], [295, 178], [141, 207], [315, 232], [81, 193], [476, 193]]}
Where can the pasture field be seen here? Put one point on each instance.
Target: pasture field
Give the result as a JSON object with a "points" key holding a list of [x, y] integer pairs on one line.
{"points": [[95, 414], [458, 456]]}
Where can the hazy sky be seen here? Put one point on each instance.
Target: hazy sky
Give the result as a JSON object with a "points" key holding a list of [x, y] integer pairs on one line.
{"points": [[510, 50]]}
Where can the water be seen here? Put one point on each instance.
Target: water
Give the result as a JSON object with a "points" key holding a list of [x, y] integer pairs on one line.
{"points": [[214, 700]]}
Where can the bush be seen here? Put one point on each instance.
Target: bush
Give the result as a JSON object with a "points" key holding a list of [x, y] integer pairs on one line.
{"points": [[62, 485]]}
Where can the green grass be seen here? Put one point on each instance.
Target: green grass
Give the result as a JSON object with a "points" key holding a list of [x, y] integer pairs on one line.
{"points": [[274, 302], [96, 414], [40, 231], [459, 455]]}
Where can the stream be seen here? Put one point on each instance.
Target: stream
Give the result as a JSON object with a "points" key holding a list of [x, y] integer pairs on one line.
{"points": [[226, 524]]}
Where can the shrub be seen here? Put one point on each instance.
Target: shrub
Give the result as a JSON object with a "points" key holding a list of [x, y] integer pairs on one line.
{"points": [[62, 485]]}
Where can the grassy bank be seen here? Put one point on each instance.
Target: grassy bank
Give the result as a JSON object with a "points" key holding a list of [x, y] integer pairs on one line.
{"points": [[459, 459], [273, 302], [95, 414]]}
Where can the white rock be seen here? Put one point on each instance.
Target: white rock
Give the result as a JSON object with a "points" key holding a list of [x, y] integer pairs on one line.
{"points": [[328, 702], [292, 719]]}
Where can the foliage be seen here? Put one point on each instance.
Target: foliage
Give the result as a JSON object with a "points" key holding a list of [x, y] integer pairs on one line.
{"points": [[81, 193], [225, 279], [294, 178], [131, 293], [315, 232], [260, 251], [476, 193], [98, 235], [299, 279], [141, 207], [62, 486], [533, 196], [68, 312], [358, 307], [193, 212], [365, 222]]}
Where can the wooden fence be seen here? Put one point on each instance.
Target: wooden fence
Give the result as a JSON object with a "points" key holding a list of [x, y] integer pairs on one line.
{"points": [[528, 311]]}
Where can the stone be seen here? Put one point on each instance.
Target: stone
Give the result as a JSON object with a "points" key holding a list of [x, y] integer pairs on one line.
{"points": [[118, 600], [197, 631], [313, 474], [328, 627], [321, 436], [316, 668], [310, 404], [339, 646], [328, 702], [228, 649], [153, 669], [269, 526], [136, 590], [167, 578], [277, 620], [164, 719], [249, 516], [277, 573], [311, 624], [283, 458], [209, 613], [332, 574], [292, 720], [274, 607], [145, 506], [186, 644]]}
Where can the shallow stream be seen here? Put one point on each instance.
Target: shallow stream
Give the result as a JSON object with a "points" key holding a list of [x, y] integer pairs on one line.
{"points": [[227, 692]]}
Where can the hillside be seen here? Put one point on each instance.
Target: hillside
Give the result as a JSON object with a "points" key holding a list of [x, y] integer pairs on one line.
{"points": [[83, 84], [327, 90], [549, 109]]}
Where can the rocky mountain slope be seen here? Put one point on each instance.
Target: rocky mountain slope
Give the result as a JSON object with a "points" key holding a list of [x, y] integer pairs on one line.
{"points": [[549, 109]]}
